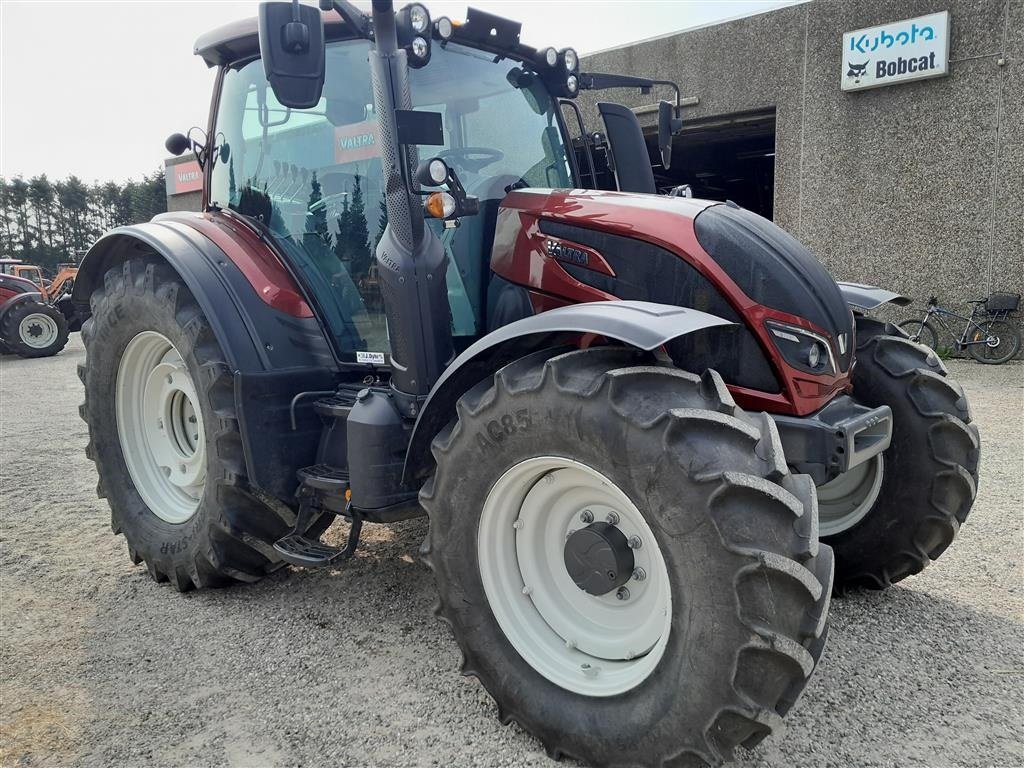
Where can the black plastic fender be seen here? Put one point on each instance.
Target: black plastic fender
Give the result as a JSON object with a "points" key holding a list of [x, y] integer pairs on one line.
{"points": [[864, 298], [20, 298], [641, 324], [273, 355]]}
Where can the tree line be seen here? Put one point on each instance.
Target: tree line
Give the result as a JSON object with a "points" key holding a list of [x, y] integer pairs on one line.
{"points": [[53, 222]]}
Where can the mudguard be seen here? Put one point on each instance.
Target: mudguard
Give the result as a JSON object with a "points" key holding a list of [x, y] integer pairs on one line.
{"points": [[6, 305], [274, 354], [864, 298], [640, 324]]}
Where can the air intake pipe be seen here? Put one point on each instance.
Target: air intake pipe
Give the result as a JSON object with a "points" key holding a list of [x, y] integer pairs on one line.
{"points": [[410, 258]]}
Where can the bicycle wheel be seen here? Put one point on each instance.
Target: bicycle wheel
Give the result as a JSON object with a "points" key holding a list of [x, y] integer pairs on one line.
{"points": [[994, 342], [921, 332]]}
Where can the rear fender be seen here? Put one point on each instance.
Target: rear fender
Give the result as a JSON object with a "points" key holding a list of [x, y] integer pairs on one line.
{"points": [[864, 298], [6, 305], [273, 354], [639, 324]]}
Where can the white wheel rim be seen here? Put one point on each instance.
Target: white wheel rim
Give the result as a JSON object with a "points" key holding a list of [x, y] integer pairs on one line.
{"points": [[844, 501], [160, 427], [591, 645], [38, 330]]}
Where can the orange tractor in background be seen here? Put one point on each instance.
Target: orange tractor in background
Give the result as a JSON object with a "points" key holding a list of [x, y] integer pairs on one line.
{"points": [[36, 314]]}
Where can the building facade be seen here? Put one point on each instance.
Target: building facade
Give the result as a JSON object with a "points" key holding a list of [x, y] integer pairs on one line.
{"points": [[916, 186]]}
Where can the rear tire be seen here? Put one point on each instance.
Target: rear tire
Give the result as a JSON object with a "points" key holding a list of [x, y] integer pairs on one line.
{"points": [[225, 533], [929, 474], [1002, 342], [730, 535], [34, 329]]}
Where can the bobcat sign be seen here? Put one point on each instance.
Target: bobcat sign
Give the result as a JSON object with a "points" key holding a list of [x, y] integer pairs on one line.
{"points": [[914, 49]]}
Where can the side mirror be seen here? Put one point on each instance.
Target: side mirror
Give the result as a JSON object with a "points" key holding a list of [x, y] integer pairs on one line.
{"points": [[178, 144], [292, 48], [668, 125]]}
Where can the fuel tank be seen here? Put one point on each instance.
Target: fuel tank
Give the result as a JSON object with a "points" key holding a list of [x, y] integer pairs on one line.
{"points": [[558, 247]]}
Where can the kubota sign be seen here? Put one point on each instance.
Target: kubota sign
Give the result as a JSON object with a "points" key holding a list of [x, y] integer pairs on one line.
{"points": [[899, 52]]}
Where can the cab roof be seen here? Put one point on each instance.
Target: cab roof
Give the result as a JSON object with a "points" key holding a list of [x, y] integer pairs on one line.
{"points": [[239, 41]]}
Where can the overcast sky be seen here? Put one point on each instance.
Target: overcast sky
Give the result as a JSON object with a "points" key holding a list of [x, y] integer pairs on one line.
{"points": [[94, 88]]}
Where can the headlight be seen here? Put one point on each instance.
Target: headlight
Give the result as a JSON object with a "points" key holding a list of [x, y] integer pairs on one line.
{"points": [[420, 48], [444, 28], [550, 56], [419, 19], [572, 60], [572, 84], [438, 170], [801, 348]]}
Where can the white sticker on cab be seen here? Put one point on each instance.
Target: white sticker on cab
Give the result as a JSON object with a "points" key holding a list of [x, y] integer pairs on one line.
{"points": [[373, 358]]}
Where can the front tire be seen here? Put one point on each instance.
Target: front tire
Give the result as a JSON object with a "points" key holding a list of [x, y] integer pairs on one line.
{"points": [[890, 517], [163, 432], [34, 329], [730, 614]]}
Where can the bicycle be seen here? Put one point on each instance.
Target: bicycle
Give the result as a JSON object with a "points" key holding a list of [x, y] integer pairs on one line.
{"points": [[987, 335]]}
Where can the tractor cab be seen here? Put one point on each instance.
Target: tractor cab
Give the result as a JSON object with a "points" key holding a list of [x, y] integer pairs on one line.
{"points": [[314, 176], [30, 272]]}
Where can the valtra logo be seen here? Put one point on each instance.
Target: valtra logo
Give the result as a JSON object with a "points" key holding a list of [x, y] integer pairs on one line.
{"points": [[559, 250]]}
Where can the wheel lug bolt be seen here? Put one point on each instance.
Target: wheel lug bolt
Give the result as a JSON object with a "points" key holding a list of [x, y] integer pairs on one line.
{"points": [[159, 423], [622, 594], [182, 468], [170, 379], [518, 524], [527, 590], [613, 518], [635, 543], [586, 516], [639, 574], [191, 419]]}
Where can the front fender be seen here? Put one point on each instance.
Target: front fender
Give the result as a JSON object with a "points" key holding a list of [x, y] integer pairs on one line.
{"points": [[864, 298], [639, 324]]}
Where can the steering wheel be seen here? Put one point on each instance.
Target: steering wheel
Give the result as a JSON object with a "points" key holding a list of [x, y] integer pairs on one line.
{"points": [[472, 159]]}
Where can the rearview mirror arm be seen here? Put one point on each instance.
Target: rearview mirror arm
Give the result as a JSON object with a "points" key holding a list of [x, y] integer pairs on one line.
{"points": [[352, 16], [598, 81]]}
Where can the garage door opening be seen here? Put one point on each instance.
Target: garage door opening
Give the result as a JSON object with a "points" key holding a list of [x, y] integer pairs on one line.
{"points": [[724, 158]]}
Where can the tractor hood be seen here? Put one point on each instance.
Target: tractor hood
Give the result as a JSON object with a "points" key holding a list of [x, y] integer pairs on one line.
{"points": [[767, 265], [581, 245]]}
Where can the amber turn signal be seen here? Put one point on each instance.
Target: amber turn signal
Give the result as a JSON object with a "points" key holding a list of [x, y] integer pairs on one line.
{"points": [[440, 205]]}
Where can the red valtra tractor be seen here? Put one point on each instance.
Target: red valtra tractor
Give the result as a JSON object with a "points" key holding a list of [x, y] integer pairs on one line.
{"points": [[651, 434]]}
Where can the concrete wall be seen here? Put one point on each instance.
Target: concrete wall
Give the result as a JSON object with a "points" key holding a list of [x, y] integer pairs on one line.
{"points": [[186, 201], [917, 187]]}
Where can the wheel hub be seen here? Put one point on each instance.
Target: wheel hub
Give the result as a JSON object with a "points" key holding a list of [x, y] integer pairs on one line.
{"points": [[558, 588], [160, 427], [598, 558], [38, 330]]}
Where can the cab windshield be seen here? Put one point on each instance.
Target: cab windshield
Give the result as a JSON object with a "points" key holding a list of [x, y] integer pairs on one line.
{"points": [[314, 176]]}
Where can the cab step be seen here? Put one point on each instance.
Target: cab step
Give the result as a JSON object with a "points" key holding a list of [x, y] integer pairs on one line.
{"points": [[325, 478], [298, 549]]}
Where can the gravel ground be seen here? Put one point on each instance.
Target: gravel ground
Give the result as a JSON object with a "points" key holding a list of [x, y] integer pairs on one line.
{"points": [[99, 666]]}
